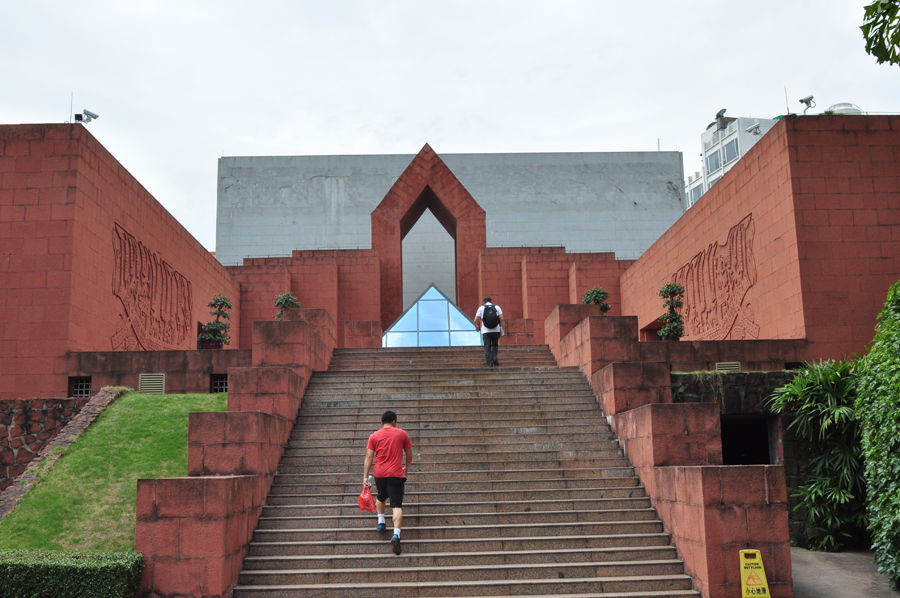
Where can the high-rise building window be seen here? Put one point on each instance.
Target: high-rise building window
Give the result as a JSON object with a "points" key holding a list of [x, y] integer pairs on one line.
{"points": [[731, 151], [713, 162]]}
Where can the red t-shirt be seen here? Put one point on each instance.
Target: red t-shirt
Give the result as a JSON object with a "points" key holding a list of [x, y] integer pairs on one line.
{"points": [[389, 444]]}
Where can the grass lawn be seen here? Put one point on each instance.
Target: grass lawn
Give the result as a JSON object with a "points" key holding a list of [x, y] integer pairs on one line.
{"points": [[86, 501]]}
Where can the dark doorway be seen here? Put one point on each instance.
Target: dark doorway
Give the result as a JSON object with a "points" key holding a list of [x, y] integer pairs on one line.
{"points": [[745, 441]]}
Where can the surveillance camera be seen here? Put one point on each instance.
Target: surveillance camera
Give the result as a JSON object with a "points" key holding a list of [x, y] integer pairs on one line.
{"points": [[754, 129], [807, 100], [90, 114]]}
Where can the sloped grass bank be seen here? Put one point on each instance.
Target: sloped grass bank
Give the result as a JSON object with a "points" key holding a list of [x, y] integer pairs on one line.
{"points": [[86, 501]]}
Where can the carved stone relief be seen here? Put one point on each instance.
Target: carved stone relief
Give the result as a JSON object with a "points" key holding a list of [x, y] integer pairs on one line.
{"points": [[156, 300], [716, 282]]}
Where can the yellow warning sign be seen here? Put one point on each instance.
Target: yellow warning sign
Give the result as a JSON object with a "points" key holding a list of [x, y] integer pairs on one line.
{"points": [[753, 576]]}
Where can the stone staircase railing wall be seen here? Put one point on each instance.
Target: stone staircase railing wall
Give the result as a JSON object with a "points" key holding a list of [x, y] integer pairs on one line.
{"points": [[194, 531], [712, 511]]}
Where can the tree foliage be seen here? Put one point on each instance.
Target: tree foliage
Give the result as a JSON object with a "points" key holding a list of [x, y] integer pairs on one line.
{"points": [[881, 30], [821, 401], [879, 411]]}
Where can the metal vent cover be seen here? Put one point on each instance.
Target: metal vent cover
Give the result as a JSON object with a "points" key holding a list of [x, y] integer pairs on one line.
{"points": [[152, 384], [728, 366]]}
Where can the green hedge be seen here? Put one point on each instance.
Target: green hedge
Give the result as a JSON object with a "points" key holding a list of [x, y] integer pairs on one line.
{"points": [[878, 407], [49, 574]]}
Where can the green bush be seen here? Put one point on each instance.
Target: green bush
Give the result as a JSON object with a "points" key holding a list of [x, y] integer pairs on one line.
{"points": [[821, 398], [878, 407], [48, 574], [597, 296]]}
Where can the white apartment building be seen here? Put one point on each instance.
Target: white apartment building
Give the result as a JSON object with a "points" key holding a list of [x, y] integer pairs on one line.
{"points": [[725, 140]]}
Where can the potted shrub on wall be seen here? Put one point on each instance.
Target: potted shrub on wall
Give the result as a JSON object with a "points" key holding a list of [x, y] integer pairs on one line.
{"points": [[597, 296], [283, 302], [673, 324], [215, 332]]}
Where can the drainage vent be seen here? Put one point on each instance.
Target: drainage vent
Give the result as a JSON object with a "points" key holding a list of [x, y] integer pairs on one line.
{"points": [[152, 384], [728, 366]]}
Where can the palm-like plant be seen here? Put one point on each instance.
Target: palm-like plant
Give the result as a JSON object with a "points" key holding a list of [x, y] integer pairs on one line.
{"points": [[820, 401]]}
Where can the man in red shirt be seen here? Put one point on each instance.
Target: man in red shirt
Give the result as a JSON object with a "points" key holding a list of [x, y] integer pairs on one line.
{"points": [[386, 447]]}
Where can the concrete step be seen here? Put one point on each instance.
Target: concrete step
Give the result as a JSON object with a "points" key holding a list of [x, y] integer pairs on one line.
{"points": [[416, 485], [553, 586], [326, 465], [398, 574], [508, 418], [365, 429], [451, 476], [414, 497], [451, 441], [412, 546], [350, 514], [423, 521], [468, 505], [434, 453], [443, 559], [441, 532]]}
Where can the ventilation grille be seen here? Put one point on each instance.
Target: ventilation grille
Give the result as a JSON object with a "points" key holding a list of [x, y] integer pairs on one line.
{"points": [[728, 366], [152, 384]]}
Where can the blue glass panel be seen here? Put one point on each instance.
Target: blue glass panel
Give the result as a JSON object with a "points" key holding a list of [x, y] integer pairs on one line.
{"points": [[465, 339], [407, 323], [432, 293], [399, 339], [432, 315], [459, 320], [434, 339]]}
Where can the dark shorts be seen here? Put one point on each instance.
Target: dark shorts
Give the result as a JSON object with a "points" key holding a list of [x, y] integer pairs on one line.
{"points": [[390, 488]]}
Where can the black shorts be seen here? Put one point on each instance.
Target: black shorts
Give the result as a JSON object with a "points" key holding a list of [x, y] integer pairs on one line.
{"points": [[390, 488]]}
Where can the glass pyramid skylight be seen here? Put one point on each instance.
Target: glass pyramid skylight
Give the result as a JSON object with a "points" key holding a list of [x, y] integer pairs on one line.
{"points": [[432, 321]]}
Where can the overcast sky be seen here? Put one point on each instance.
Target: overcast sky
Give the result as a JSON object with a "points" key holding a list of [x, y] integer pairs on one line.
{"points": [[179, 84]]}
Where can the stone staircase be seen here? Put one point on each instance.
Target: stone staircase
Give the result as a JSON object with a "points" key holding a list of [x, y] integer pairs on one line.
{"points": [[518, 487]]}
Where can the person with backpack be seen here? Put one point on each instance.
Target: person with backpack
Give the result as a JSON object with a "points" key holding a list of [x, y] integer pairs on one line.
{"points": [[489, 320]]}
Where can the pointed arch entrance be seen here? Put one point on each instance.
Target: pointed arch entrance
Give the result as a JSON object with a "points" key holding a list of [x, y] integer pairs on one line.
{"points": [[427, 184]]}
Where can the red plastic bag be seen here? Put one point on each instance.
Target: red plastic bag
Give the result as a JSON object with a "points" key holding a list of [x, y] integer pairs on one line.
{"points": [[365, 500]]}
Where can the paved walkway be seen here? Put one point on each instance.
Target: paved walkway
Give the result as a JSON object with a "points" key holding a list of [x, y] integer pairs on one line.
{"points": [[849, 574]]}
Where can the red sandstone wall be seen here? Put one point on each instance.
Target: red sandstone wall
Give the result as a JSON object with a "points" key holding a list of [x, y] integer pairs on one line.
{"points": [[38, 173], [758, 187], [94, 261], [345, 283], [846, 190], [589, 270], [817, 255], [529, 282]]}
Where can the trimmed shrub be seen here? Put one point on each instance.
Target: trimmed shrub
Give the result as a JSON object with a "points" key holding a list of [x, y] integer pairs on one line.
{"points": [[879, 412], [284, 302], [49, 574], [673, 324], [216, 331], [597, 296], [821, 400]]}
